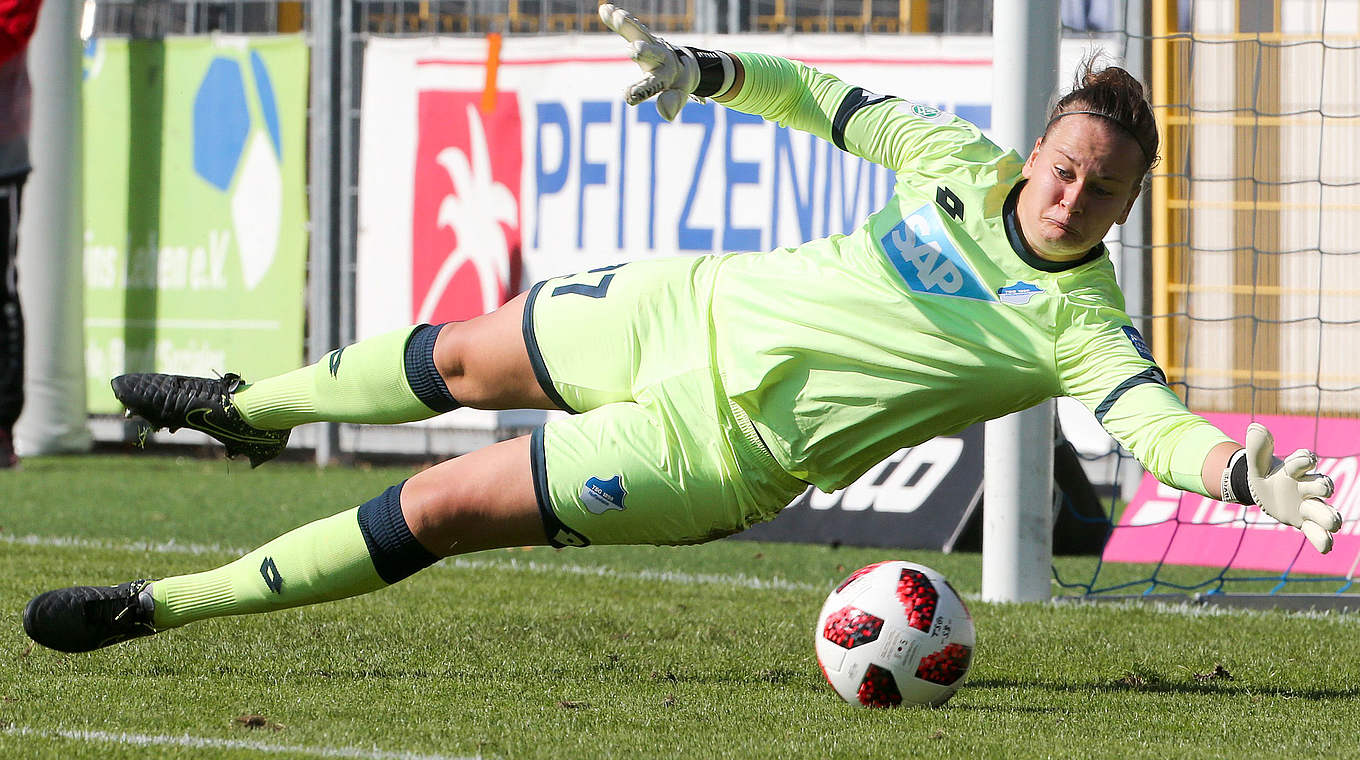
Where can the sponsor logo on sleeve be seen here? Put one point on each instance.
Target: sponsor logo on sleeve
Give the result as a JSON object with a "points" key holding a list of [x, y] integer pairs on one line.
{"points": [[1139, 344], [924, 112]]}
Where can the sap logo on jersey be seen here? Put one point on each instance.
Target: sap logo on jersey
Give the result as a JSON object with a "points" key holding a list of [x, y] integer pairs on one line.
{"points": [[465, 225], [600, 496], [1018, 294], [927, 259]]}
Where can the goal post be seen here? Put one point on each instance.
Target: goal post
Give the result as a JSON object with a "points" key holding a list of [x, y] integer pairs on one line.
{"points": [[1017, 524], [51, 243]]}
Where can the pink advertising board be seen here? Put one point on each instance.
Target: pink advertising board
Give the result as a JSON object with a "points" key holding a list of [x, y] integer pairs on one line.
{"points": [[1163, 524]]}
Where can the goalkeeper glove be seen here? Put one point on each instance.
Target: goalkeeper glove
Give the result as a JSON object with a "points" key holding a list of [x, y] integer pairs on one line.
{"points": [[673, 73], [1287, 491]]}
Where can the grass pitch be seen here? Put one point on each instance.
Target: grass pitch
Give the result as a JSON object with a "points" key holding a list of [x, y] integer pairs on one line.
{"points": [[699, 652]]}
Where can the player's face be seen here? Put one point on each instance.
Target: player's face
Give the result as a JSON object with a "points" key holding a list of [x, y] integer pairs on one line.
{"points": [[1083, 179]]}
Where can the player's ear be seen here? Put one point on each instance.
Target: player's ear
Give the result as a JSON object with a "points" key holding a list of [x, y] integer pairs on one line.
{"points": [[1133, 198], [1032, 160]]}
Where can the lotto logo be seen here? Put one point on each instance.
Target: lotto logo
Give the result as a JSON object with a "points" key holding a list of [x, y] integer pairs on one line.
{"points": [[900, 484], [465, 239]]}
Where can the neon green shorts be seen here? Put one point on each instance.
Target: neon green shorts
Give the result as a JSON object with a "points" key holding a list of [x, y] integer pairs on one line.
{"points": [[655, 453]]}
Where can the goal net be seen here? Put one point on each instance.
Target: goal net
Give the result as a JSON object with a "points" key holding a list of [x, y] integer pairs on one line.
{"points": [[1250, 268]]}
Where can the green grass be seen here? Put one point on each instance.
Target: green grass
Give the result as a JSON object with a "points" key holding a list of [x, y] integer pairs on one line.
{"points": [[699, 652]]}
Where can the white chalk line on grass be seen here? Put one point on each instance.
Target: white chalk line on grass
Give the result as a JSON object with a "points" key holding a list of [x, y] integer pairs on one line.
{"points": [[732, 580], [207, 742], [163, 547], [737, 580]]}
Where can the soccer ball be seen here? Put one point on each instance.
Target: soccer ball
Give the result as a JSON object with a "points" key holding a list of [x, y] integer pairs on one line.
{"points": [[894, 633]]}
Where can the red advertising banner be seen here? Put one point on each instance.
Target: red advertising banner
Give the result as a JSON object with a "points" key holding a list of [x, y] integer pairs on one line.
{"points": [[465, 220]]}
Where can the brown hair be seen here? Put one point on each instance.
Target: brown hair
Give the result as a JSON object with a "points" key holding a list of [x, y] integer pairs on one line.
{"points": [[1115, 95]]}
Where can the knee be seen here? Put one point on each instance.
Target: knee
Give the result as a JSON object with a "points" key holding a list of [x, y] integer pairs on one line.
{"points": [[466, 359], [452, 358], [436, 516], [482, 500], [448, 350]]}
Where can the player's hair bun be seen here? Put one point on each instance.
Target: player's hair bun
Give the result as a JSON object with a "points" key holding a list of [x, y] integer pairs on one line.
{"points": [[1114, 94]]}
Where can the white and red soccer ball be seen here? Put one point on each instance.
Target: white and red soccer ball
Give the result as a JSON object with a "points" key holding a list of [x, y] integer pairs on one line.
{"points": [[895, 633]]}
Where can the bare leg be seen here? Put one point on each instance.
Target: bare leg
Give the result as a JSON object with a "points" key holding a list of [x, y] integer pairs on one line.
{"points": [[481, 500], [485, 362]]}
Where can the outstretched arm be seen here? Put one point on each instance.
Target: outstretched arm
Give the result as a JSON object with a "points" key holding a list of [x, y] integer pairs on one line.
{"points": [[863, 123], [1215, 464], [1106, 365], [1169, 440], [738, 79], [673, 73]]}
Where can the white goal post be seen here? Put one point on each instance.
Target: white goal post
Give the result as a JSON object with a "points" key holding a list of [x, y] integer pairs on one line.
{"points": [[1017, 524], [50, 243]]}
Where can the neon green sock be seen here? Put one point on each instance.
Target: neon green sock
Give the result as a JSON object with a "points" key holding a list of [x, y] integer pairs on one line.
{"points": [[365, 382], [319, 562]]}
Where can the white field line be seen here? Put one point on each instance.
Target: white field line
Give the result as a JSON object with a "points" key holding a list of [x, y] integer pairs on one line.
{"points": [[205, 742], [731, 580], [737, 580]]}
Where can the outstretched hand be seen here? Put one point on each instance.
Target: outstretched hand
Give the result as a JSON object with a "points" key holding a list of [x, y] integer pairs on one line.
{"points": [[1290, 491], [672, 74]]}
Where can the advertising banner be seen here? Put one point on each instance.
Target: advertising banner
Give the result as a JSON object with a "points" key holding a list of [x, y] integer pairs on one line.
{"points": [[195, 216], [1162, 524], [481, 176], [918, 498]]}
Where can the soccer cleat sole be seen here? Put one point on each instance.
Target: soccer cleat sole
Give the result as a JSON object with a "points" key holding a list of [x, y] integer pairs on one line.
{"points": [[257, 452], [259, 446]]}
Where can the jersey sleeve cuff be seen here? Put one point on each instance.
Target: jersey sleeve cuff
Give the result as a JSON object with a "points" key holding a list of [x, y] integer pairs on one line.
{"points": [[1186, 468]]}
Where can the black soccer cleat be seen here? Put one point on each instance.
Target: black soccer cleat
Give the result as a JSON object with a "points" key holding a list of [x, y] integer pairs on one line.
{"points": [[202, 404], [84, 618]]}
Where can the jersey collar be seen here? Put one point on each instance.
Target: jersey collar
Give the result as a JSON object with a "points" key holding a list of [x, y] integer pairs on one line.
{"points": [[1026, 254]]}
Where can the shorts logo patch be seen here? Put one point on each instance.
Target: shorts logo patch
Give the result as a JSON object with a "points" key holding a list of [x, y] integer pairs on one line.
{"points": [[1018, 294], [600, 496], [1139, 344]]}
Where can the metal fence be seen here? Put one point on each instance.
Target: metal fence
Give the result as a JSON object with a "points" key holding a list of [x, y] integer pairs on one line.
{"points": [[158, 18]]}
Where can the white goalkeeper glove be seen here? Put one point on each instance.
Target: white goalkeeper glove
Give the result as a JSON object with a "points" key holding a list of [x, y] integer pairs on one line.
{"points": [[672, 72], [1289, 491]]}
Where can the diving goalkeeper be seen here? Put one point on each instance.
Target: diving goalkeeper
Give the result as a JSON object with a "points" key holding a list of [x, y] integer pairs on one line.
{"points": [[708, 392]]}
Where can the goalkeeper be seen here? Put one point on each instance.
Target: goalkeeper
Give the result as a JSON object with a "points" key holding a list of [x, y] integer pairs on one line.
{"points": [[709, 391]]}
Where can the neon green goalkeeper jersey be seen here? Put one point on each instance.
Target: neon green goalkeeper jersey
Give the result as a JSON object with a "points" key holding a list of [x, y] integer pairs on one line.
{"points": [[934, 314]]}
